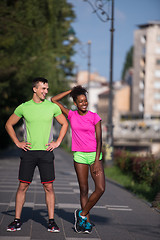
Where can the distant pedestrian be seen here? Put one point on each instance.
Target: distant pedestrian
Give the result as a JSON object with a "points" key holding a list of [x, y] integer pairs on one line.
{"points": [[38, 146], [86, 147]]}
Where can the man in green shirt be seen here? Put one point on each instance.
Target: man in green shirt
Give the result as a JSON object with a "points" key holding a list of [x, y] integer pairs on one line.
{"points": [[37, 147]]}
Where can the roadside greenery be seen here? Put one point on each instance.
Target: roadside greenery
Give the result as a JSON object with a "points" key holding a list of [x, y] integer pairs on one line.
{"points": [[139, 174]]}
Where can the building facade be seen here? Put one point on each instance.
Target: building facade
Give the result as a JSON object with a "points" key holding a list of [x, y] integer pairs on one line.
{"points": [[96, 85], [146, 77]]}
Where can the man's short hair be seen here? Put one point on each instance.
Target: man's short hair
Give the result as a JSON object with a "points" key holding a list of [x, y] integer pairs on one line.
{"points": [[37, 80]]}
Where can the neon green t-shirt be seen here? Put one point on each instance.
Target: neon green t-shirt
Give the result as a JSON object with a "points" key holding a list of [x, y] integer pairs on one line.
{"points": [[38, 122]]}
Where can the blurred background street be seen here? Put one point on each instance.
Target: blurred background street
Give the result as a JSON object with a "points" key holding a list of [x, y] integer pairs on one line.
{"points": [[112, 48]]}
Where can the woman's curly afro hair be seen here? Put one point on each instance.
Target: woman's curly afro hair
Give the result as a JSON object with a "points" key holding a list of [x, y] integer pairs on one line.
{"points": [[76, 91]]}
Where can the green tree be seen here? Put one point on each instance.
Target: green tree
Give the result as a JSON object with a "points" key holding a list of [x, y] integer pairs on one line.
{"points": [[33, 42], [128, 62]]}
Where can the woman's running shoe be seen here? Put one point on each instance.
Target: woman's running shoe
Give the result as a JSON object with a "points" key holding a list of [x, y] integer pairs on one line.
{"points": [[80, 221], [88, 227]]}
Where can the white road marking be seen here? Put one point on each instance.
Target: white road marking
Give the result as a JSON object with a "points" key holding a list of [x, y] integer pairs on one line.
{"points": [[73, 206], [120, 209]]}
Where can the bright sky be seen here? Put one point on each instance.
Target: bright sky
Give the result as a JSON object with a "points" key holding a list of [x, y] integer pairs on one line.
{"points": [[128, 14]]}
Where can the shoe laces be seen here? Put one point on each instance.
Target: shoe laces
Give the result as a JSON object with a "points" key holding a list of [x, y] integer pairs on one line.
{"points": [[82, 219], [88, 225], [82, 222]]}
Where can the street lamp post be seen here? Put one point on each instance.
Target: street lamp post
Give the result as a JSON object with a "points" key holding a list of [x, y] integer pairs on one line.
{"points": [[98, 8], [110, 114]]}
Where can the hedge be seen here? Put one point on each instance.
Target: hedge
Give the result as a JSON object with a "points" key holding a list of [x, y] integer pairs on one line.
{"points": [[143, 168]]}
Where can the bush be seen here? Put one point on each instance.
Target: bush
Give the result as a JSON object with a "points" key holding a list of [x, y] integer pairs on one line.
{"points": [[123, 160], [143, 169]]}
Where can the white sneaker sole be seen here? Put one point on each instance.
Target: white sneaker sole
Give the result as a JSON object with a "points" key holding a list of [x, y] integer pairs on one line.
{"points": [[76, 221], [10, 230], [87, 232], [49, 230]]}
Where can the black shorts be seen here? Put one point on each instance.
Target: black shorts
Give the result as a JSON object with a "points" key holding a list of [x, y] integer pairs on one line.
{"points": [[45, 162]]}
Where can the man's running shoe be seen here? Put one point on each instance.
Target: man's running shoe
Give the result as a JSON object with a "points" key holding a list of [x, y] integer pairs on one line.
{"points": [[14, 226], [80, 221], [88, 227], [52, 226]]}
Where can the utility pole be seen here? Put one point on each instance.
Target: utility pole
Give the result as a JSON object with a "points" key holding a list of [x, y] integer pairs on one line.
{"points": [[98, 9], [110, 112]]}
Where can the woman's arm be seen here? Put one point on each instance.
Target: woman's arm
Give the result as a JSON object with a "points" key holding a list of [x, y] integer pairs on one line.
{"points": [[97, 166], [57, 98], [98, 139]]}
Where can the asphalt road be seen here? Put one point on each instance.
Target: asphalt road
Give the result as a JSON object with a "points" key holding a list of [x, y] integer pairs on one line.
{"points": [[119, 215]]}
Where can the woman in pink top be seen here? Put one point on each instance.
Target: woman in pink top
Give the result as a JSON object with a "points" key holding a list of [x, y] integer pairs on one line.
{"points": [[86, 145]]}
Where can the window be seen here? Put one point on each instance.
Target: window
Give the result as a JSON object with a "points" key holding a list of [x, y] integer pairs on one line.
{"points": [[143, 39], [142, 74], [158, 61], [142, 62], [157, 73], [157, 85], [157, 50], [156, 107], [141, 85], [141, 107], [157, 95], [158, 38]]}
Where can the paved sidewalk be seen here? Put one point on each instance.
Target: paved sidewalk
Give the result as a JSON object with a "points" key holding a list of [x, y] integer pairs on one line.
{"points": [[118, 215]]}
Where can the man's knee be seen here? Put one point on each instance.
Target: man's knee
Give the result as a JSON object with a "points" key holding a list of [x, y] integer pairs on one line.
{"points": [[23, 187], [48, 187]]}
